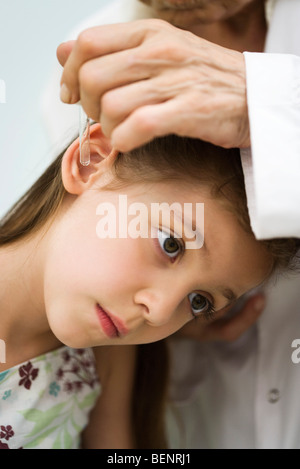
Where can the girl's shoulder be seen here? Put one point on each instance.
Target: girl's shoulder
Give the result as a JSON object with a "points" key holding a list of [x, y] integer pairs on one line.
{"points": [[45, 402]]}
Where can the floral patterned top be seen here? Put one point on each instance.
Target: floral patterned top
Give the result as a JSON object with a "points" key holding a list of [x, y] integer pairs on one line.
{"points": [[45, 402]]}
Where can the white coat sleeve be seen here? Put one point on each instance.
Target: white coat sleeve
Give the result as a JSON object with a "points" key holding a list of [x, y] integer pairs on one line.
{"points": [[272, 171], [273, 93]]}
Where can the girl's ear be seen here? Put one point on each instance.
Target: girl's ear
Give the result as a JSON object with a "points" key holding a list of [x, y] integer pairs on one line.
{"points": [[76, 177]]}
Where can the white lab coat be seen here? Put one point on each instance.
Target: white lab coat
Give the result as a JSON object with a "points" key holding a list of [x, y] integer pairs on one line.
{"points": [[244, 394]]}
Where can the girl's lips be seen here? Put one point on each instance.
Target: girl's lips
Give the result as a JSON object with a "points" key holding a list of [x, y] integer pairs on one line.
{"points": [[112, 326]]}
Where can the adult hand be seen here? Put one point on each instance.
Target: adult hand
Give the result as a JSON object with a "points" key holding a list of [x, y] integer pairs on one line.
{"points": [[147, 78], [229, 327]]}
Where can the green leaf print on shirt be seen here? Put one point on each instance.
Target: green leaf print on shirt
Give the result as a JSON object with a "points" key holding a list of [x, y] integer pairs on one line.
{"points": [[42, 418], [59, 419]]}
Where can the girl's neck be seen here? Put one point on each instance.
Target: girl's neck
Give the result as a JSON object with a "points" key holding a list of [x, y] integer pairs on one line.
{"points": [[23, 322], [246, 31]]}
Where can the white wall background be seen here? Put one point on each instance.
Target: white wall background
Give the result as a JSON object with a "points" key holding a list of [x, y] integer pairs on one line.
{"points": [[30, 31]]}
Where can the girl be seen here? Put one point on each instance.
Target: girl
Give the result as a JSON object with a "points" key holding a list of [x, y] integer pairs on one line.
{"points": [[65, 288]]}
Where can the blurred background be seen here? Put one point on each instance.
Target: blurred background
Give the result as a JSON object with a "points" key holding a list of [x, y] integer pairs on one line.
{"points": [[30, 31]]}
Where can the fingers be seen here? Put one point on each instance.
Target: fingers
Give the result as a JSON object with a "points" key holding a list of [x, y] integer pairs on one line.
{"points": [[113, 72], [97, 42], [231, 329], [119, 108], [146, 123], [114, 87]]}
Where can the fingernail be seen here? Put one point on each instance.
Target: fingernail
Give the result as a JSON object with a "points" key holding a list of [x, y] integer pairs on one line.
{"points": [[65, 94], [260, 304]]}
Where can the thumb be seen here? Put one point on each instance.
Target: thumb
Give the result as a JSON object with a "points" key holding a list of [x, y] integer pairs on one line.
{"points": [[63, 51]]}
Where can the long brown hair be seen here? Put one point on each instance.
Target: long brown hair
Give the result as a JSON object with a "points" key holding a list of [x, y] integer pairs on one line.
{"points": [[165, 158]]}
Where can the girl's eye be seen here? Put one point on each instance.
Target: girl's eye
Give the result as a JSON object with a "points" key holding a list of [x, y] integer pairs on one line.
{"points": [[169, 244], [200, 305]]}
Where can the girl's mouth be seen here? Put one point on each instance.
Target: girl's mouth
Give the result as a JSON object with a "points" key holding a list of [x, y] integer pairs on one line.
{"points": [[112, 326]]}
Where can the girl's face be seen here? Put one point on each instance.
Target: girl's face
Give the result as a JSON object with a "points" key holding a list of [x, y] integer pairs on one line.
{"points": [[137, 290]]}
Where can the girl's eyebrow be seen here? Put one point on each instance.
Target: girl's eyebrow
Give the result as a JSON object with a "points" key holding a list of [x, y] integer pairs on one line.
{"points": [[228, 293]]}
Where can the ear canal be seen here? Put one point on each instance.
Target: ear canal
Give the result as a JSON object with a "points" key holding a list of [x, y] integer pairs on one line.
{"points": [[86, 171]]}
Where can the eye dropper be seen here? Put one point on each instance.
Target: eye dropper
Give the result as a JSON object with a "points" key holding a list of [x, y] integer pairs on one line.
{"points": [[84, 137]]}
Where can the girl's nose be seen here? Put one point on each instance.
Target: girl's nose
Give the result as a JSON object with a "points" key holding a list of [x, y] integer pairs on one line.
{"points": [[158, 307]]}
